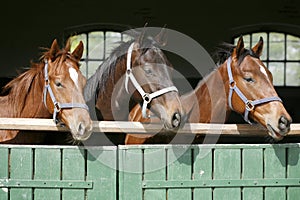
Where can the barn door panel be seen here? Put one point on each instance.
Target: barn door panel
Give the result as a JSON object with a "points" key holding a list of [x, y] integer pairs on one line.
{"points": [[155, 165], [47, 166], [102, 171], [202, 170], [4, 171], [227, 167], [252, 168], [293, 171], [21, 166], [179, 168], [275, 168], [73, 168]]}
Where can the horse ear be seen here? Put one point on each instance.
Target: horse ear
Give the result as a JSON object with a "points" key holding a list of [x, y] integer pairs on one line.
{"points": [[258, 48], [239, 47], [161, 37], [77, 53], [54, 49], [142, 35], [68, 45]]}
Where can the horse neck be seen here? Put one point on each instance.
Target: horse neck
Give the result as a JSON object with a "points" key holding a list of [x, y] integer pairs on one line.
{"points": [[29, 105], [108, 92], [35, 107], [212, 97]]}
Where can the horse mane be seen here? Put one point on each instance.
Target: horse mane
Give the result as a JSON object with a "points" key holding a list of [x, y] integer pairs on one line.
{"points": [[18, 89], [98, 81], [224, 51]]}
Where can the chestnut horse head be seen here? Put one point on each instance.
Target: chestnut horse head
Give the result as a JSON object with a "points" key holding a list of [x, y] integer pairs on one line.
{"points": [[251, 91], [136, 72], [52, 87]]}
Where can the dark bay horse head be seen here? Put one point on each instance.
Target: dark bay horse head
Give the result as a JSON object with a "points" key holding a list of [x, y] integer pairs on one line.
{"points": [[54, 87], [136, 72], [251, 92]]}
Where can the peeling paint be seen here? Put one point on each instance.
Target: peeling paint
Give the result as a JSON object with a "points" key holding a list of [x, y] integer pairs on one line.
{"points": [[5, 189], [201, 172]]}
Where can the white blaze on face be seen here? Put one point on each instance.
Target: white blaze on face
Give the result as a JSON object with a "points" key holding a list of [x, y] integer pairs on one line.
{"points": [[263, 70], [74, 75]]}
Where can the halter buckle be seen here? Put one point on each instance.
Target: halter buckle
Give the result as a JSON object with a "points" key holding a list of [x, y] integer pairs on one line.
{"points": [[249, 105], [57, 107]]}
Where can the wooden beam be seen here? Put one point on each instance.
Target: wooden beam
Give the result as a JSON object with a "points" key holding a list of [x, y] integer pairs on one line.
{"points": [[34, 124]]}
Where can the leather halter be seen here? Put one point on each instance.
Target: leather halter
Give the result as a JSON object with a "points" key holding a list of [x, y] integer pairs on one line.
{"points": [[57, 106], [147, 98], [249, 104]]}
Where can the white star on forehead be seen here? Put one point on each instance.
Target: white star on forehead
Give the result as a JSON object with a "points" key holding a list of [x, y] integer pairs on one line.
{"points": [[263, 70], [74, 75]]}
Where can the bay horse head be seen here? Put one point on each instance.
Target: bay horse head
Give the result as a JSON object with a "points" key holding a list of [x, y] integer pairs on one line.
{"points": [[251, 91], [138, 70], [63, 90]]}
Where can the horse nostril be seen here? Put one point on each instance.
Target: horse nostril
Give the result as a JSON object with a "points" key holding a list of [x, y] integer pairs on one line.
{"points": [[176, 119], [284, 123], [81, 129]]}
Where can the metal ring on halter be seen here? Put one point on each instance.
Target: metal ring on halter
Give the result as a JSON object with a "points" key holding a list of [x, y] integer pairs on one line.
{"points": [[232, 84], [249, 106], [147, 98]]}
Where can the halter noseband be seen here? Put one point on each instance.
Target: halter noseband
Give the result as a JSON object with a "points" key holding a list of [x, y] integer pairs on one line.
{"points": [[146, 96], [57, 106], [249, 104]]}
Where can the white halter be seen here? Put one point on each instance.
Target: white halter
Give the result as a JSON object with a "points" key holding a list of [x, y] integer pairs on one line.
{"points": [[146, 96]]}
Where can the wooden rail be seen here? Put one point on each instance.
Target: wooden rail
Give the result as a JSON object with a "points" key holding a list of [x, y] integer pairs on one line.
{"points": [[34, 124]]}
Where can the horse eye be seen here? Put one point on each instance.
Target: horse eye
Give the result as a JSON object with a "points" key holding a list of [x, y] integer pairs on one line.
{"points": [[249, 79], [58, 84], [148, 70]]}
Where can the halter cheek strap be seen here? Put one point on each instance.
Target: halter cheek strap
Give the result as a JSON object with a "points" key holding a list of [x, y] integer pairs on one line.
{"points": [[147, 98], [57, 106], [249, 104]]}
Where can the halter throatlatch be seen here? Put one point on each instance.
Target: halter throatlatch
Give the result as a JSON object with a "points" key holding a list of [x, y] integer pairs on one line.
{"points": [[57, 106], [147, 98], [249, 104]]}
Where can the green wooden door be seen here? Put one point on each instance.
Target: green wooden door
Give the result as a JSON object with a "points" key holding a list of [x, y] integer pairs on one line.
{"points": [[57, 172], [219, 172]]}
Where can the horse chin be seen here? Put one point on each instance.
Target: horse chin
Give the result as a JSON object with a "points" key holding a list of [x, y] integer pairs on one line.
{"points": [[169, 127], [274, 133], [171, 120], [82, 132], [81, 136]]}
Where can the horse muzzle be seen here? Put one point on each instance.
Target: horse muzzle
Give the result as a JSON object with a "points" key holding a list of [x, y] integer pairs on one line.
{"points": [[282, 128]]}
